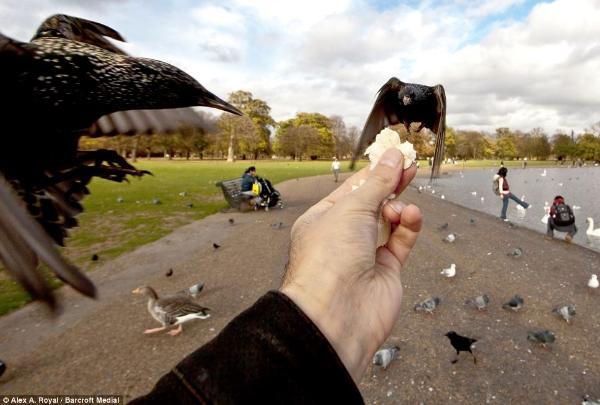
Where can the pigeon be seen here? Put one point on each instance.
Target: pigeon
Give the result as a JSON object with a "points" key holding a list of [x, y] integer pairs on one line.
{"points": [[516, 252], [449, 272], [95, 257], [420, 189], [482, 199], [480, 302], [472, 221], [172, 310], [182, 194], [2, 367], [565, 311], [216, 246], [429, 305], [450, 238], [384, 357], [120, 199], [53, 89], [190, 205], [156, 201], [443, 226], [593, 281], [277, 225], [404, 103], [544, 337], [231, 221], [461, 344], [443, 197], [193, 291], [474, 193], [169, 273], [576, 207], [515, 303], [544, 173]]}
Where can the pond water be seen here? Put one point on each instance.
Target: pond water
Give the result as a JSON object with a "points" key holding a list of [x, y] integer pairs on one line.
{"points": [[579, 186]]}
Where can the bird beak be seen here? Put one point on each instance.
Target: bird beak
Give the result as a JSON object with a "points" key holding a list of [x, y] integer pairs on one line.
{"points": [[210, 100]]}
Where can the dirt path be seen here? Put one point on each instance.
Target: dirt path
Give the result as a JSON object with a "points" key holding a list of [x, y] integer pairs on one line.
{"points": [[98, 346]]}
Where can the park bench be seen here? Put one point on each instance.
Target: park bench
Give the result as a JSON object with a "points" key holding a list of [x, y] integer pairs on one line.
{"points": [[232, 191]]}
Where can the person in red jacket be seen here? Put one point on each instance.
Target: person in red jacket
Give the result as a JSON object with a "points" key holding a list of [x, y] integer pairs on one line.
{"points": [[561, 219], [505, 193]]}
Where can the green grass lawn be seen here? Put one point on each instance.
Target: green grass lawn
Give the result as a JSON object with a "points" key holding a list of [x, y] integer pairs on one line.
{"points": [[109, 228]]}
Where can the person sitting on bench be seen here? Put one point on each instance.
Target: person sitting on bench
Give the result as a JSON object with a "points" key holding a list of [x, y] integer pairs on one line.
{"points": [[248, 181]]}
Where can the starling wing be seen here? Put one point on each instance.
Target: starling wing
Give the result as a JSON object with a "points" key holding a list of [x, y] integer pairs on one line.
{"points": [[398, 102], [54, 88]]}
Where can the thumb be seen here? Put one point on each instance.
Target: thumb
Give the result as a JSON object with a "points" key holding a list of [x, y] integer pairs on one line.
{"points": [[382, 180]]}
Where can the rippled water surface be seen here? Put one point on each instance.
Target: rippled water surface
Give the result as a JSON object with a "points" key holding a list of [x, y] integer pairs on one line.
{"points": [[579, 186]]}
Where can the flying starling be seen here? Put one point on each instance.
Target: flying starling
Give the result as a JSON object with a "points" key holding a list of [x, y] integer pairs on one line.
{"points": [[404, 103], [53, 89]]}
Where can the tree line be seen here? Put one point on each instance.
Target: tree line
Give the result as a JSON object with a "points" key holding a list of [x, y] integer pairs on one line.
{"points": [[311, 135]]}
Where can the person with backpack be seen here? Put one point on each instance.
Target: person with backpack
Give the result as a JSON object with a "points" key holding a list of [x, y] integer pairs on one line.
{"points": [[501, 188], [561, 219]]}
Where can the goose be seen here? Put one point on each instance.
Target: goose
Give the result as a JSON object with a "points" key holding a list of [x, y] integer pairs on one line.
{"points": [[591, 231], [172, 310]]}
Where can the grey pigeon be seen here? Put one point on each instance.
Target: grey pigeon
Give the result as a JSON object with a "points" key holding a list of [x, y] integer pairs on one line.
{"points": [[384, 357], [443, 226], [472, 221], [429, 305], [231, 221], [516, 252], [515, 303], [450, 238], [193, 291], [277, 225], [182, 194], [120, 199], [480, 302], [190, 205], [588, 401], [544, 337], [156, 201], [565, 311]]}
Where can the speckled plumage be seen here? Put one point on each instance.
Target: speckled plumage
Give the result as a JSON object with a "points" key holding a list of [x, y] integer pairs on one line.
{"points": [[53, 89], [404, 103]]}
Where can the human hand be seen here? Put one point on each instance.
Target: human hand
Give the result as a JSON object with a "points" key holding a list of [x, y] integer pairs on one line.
{"points": [[346, 285]]}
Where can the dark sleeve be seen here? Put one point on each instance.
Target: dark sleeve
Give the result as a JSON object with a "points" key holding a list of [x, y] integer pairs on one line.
{"points": [[270, 353]]}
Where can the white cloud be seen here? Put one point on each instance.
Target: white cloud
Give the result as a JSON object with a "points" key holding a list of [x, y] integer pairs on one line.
{"points": [[332, 56]]}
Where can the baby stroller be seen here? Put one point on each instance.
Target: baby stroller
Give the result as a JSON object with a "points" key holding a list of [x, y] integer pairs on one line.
{"points": [[268, 195]]}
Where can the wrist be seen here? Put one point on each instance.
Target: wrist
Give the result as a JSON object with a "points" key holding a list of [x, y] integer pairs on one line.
{"points": [[354, 347]]}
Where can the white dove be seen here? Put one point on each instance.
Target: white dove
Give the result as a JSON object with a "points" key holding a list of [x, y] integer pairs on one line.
{"points": [[593, 281], [449, 272], [474, 192]]}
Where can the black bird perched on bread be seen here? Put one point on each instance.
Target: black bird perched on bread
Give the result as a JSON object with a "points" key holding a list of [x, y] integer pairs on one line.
{"points": [[404, 103], [461, 344], [53, 89]]}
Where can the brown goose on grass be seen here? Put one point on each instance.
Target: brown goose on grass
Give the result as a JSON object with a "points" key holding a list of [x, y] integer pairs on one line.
{"points": [[172, 310]]}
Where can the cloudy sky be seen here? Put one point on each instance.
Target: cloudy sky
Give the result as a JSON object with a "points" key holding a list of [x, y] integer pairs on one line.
{"points": [[514, 63]]}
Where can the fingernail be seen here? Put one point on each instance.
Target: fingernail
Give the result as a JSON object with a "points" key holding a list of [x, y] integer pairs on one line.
{"points": [[397, 206], [391, 158]]}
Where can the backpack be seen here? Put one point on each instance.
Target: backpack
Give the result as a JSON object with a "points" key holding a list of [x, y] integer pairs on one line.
{"points": [[496, 185], [564, 215]]}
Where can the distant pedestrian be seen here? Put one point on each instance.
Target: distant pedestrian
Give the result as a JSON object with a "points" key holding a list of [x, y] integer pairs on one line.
{"points": [[335, 168], [561, 219], [525, 163], [503, 190]]}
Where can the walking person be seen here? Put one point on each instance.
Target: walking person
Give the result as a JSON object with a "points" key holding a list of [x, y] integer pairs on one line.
{"points": [[335, 168], [503, 190], [561, 219]]}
